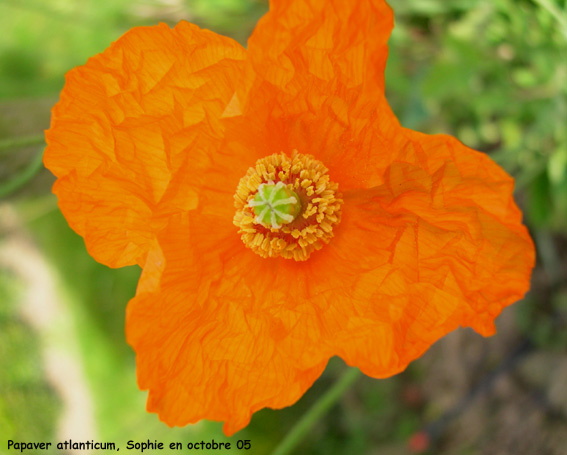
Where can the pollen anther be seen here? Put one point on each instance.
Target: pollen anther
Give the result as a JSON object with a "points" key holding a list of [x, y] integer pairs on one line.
{"points": [[287, 207]]}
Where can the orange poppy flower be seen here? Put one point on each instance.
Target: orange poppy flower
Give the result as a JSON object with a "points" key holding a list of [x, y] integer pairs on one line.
{"points": [[280, 212]]}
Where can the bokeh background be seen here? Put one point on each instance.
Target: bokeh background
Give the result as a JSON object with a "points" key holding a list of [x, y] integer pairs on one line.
{"points": [[491, 72]]}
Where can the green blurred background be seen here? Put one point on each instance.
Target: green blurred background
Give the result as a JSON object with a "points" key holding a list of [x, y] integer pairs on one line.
{"points": [[491, 72]]}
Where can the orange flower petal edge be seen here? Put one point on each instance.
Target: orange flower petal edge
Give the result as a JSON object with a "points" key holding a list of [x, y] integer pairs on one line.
{"points": [[279, 211], [125, 126]]}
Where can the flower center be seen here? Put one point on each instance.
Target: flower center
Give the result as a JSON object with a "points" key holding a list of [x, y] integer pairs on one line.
{"points": [[275, 204], [287, 207]]}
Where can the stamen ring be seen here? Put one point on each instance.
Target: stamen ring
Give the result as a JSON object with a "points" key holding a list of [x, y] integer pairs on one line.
{"points": [[287, 207]]}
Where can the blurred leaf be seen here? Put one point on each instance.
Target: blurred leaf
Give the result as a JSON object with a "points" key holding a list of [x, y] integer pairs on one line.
{"points": [[540, 203], [17, 63], [557, 167]]}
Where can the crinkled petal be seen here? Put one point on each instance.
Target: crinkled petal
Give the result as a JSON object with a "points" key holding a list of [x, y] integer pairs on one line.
{"points": [[216, 332], [314, 82], [439, 245], [316, 45], [127, 122]]}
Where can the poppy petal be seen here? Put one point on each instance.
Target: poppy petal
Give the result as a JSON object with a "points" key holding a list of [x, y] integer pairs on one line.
{"points": [[439, 245], [314, 82], [126, 122], [312, 46], [214, 338]]}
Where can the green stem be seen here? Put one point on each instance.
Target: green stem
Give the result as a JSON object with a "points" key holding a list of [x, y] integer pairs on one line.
{"points": [[22, 178], [322, 406], [22, 142]]}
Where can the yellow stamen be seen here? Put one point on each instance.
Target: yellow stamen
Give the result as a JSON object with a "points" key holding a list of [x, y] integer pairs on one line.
{"points": [[287, 207]]}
